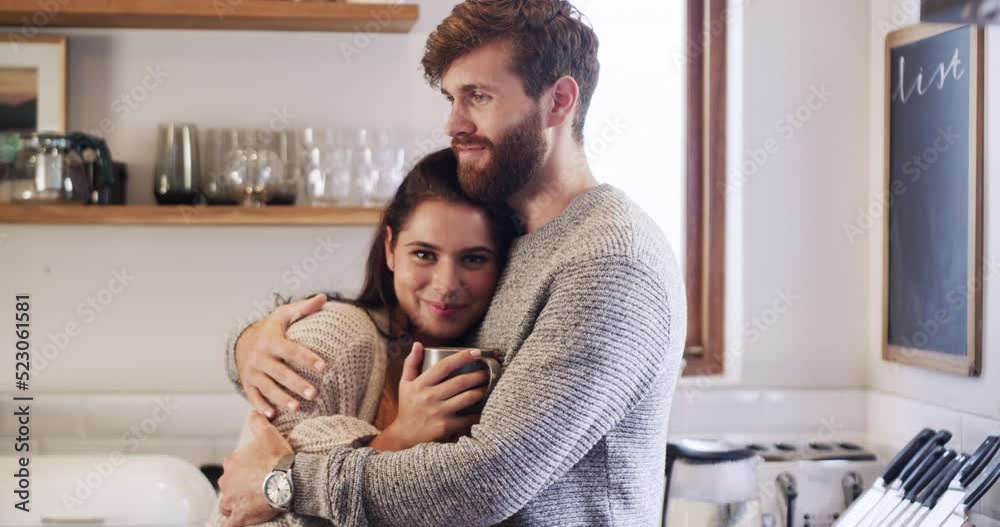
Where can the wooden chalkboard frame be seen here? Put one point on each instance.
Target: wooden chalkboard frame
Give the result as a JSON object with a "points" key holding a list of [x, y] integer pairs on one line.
{"points": [[971, 363]]}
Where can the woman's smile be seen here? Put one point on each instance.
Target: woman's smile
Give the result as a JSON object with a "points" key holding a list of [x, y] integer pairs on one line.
{"points": [[442, 309]]}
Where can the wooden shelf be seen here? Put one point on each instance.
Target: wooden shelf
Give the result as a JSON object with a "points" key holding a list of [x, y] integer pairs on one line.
{"points": [[266, 15], [185, 215]]}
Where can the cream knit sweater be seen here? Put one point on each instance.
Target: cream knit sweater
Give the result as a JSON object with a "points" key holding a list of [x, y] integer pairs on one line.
{"points": [[348, 392]]}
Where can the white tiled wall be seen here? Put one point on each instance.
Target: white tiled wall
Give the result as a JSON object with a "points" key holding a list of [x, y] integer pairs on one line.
{"points": [[893, 420], [200, 428], [810, 413]]}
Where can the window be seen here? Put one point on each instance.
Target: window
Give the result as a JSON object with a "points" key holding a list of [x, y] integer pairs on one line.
{"points": [[656, 128], [635, 125]]}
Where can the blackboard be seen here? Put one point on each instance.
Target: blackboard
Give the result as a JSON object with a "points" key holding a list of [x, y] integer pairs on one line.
{"points": [[933, 189]]}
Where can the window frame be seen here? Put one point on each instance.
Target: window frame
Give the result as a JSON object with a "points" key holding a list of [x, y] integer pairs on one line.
{"points": [[705, 187]]}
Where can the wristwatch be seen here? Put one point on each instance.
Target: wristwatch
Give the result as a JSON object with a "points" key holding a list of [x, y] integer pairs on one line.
{"points": [[277, 488]]}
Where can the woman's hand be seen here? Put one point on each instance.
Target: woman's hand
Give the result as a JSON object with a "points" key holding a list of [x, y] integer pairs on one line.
{"points": [[428, 406], [263, 353]]}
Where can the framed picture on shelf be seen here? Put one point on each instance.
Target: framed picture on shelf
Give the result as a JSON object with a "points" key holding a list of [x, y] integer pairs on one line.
{"points": [[33, 83]]}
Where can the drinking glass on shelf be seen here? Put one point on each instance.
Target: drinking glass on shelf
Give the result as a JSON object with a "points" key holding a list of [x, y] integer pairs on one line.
{"points": [[218, 187], [312, 174], [262, 169], [276, 154], [321, 154], [362, 138], [254, 170], [177, 170], [337, 177], [309, 157], [364, 179], [391, 164]]}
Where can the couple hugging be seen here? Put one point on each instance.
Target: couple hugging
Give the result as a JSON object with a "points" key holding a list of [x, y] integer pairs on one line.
{"points": [[504, 241]]}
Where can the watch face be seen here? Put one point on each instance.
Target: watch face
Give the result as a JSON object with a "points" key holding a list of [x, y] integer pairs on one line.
{"points": [[278, 489]]}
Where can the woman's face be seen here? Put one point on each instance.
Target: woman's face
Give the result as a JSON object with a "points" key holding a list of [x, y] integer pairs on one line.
{"points": [[444, 267]]}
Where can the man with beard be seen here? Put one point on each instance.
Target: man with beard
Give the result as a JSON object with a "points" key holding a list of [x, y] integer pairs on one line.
{"points": [[589, 314]]}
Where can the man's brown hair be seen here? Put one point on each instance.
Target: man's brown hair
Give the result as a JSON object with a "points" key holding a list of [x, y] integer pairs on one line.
{"points": [[548, 39]]}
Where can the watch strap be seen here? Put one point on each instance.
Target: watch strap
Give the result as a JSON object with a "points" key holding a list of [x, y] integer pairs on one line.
{"points": [[285, 463]]}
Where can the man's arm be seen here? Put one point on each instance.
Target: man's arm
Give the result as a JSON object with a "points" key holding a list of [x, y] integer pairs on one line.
{"points": [[348, 390], [259, 357], [611, 329], [232, 371]]}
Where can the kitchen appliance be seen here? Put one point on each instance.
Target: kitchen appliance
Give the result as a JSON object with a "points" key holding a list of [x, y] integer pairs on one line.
{"points": [[177, 171], [110, 490], [711, 482], [811, 483], [62, 168]]}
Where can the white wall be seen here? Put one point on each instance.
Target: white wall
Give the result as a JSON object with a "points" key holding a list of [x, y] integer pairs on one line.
{"points": [[794, 197], [161, 328]]}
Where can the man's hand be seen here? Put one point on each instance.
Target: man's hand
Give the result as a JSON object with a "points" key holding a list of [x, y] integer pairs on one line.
{"points": [[242, 500], [263, 353]]}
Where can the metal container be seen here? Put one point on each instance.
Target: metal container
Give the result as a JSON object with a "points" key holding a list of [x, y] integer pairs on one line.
{"points": [[489, 361]]}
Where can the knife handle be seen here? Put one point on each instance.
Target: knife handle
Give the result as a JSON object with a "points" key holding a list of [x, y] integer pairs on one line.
{"points": [[977, 455], [898, 463], [945, 481], [939, 439], [931, 457], [972, 499], [930, 475], [973, 470]]}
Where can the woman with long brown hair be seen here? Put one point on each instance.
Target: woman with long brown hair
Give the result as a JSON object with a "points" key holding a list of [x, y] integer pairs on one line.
{"points": [[429, 278]]}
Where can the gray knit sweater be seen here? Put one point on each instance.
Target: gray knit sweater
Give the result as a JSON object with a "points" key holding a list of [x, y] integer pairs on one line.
{"points": [[591, 316]]}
